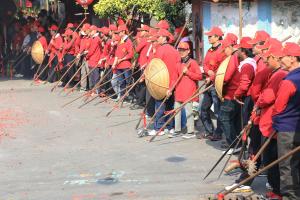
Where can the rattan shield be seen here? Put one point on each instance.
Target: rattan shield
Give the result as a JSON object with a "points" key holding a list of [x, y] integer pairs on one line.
{"points": [[37, 52], [219, 81]]}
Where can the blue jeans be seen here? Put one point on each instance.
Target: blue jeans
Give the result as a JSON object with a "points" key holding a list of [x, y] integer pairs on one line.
{"points": [[159, 119], [210, 98], [247, 109], [230, 117], [121, 80]]}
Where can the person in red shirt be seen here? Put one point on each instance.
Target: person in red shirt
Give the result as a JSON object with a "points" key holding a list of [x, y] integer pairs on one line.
{"points": [[122, 61], [171, 58], [212, 60], [142, 48], [230, 110], [247, 70], [83, 50], [264, 106], [42, 39], [55, 47], [192, 75], [286, 121], [93, 57]]}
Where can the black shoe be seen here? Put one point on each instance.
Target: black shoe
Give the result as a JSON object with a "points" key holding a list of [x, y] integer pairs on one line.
{"points": [[207, 136]]}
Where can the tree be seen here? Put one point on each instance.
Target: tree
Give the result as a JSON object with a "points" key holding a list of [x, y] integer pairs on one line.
{"points": [[159, 9]]}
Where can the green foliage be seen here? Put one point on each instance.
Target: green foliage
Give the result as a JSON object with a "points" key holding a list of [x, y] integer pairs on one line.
{"points": [[159, 9]]}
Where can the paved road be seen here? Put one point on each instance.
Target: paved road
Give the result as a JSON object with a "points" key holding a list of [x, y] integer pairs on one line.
{"points": [[50, 153]]}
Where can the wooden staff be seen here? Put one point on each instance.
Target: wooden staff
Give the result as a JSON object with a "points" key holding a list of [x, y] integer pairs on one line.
{"points": [[292, 152], [120, 102], [22, 58], [111, 87], [38, 76], [96, 87], [197, 93], [181, 32], [142, 115], [86, 93], [85, 77], [245, 131], [70, 65], [167, 97], [252, 162], [106, 98], [67, 85]]}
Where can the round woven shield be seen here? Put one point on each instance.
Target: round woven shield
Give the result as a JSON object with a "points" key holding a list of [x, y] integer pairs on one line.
{"points": [[219, 81], [157, 78], [37, 52]]}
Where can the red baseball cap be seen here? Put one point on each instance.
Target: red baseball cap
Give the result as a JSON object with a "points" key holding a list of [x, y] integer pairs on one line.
{"points": [[53, 28], [104, 30], [120, 21], [165, 33], [184, 33], [93, 28], [244, 43], [268, 43], [226, 43], [41, 29], [113, 27], [274, 50], [70, 25], [291, 49], [163, 24], [122, 28], [68, 32], [215, 31], [260, 36], [232, 38], [86, 27], [144, 28]]}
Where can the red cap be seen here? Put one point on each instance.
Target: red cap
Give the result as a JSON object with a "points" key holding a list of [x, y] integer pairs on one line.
{"points": [[183, 46], [163, 24], [53, 28], [86, 27], [164, 33], [226, 43], [274, 50], [291, 49], [113, 27], [144, 28], [215, 31], [104, 30], [93, 28], [260, 36], [232, 38], [268, 43], [70, 25], [184, 33], [244, 43], [122, 28], [68, 32], [41, 29], [120, 21]]}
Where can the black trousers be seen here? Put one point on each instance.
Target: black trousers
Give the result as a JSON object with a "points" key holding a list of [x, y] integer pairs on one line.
{"points": [[270, 154], [68, 58], [289, 168]]}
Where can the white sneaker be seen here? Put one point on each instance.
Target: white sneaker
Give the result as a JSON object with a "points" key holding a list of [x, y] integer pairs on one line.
{"points": [[152, 132], [232, 151], [172, 131], [268, 186], [166, 131], [241, 189], [189, 136], [19, 75]]}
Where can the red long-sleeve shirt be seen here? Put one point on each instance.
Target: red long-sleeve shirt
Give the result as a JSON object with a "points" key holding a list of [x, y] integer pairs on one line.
{"points": [[213, 59], [189, 80], [267, 99], [246, 77], [170, 56], [44, 43], [286, 90], [124, 51], [94, 53], [55, 47], [231, 78], [142, 48]]}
